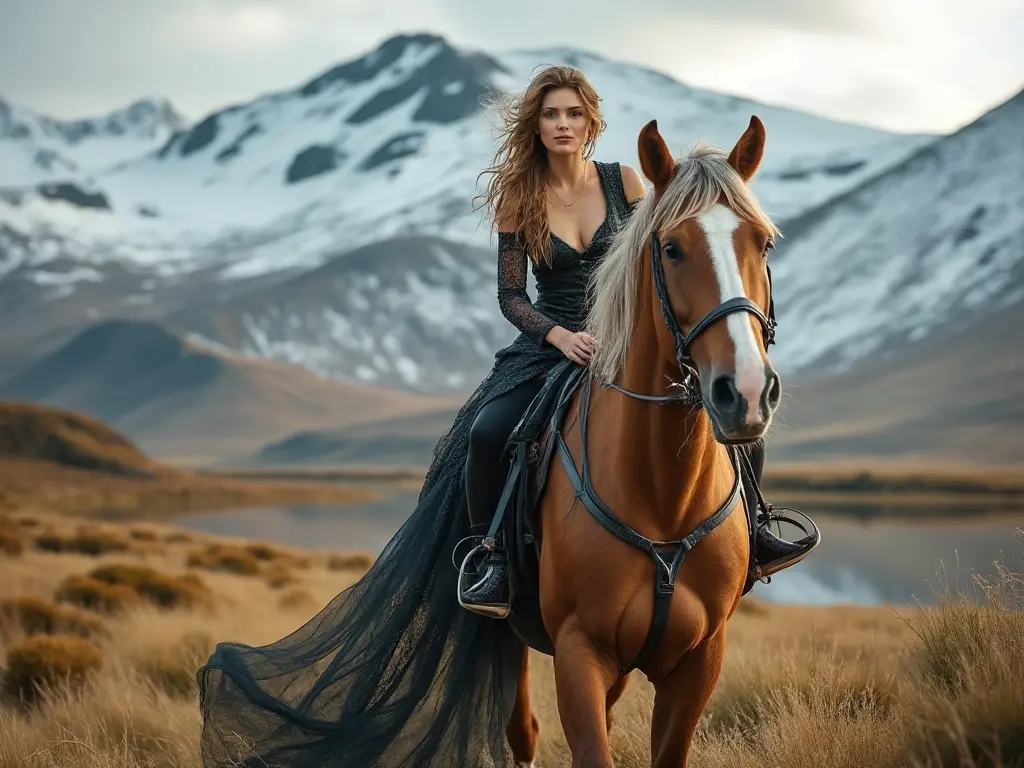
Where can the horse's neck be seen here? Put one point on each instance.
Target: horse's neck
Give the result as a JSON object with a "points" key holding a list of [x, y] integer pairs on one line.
{"points": [[664, 456]]}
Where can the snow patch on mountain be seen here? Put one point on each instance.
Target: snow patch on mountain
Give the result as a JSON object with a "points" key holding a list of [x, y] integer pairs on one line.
{"points": [[926, 248]]}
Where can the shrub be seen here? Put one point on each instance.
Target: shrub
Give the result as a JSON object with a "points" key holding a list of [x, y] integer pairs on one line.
{"points": [[86, 541], [42, 661], [12, 540], [224, 557], [161, 589], [96, 595], [279, 574], [296, 599], [350, 561], [37, 616], [143, 534], [264, 552]]}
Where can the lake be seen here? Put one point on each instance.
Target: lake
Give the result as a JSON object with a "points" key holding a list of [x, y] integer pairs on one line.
{"points": [[897, 560]]}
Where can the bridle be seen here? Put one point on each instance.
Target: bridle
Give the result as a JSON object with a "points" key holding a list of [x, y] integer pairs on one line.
{"points": [[689, 387]]}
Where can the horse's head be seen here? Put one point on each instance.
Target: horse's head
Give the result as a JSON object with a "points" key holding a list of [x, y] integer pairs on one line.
{"points": [[709, 246]]}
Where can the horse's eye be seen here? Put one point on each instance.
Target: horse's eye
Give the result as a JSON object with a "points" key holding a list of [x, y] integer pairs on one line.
{"points": [[673, 252]]}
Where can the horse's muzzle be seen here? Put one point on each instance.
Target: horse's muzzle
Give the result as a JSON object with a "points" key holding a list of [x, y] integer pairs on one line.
{"points": [[730, 410]]}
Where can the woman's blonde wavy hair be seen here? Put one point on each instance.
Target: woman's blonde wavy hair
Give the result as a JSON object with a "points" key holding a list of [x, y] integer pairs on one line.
{"points": [[515, 193]]}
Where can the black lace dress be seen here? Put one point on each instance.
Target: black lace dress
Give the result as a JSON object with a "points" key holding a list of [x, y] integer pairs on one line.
{"points": [[392, 672]]}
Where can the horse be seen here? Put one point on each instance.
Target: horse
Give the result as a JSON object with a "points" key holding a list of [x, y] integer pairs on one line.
{"points": [[643, 551]]}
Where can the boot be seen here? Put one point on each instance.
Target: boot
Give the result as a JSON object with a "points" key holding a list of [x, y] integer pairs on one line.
{"points": [[487, 593], [773, 554]]}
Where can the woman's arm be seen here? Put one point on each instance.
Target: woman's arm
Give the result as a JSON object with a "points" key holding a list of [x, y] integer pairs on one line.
{"points": [[513, 299], [519, 310]]}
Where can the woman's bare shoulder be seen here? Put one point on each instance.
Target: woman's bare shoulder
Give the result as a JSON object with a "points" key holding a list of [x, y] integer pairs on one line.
{"points": [[632, 183]]}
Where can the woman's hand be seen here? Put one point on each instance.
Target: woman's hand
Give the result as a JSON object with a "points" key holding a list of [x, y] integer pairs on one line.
{"points": [[578, 347]]}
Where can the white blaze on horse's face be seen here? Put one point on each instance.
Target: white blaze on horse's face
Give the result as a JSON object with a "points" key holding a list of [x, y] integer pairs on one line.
{"points": [[719, 226]]}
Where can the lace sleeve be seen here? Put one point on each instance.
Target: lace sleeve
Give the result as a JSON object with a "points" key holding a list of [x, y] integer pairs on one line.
{"points": [[513, 300]]}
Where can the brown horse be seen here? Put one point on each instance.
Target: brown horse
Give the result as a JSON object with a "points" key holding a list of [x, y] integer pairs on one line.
{"points": [[693, 256]]}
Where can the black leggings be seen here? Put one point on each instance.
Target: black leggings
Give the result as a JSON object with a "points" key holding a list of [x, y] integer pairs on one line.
{"points": [[485, 472]]}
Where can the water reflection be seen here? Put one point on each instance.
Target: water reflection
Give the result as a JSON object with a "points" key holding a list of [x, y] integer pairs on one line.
{"points": [[858, 561], [365, 527], [898, 560]]}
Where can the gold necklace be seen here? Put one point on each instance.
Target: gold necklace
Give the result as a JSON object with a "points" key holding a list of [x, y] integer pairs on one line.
{"points": [[586, 172]]}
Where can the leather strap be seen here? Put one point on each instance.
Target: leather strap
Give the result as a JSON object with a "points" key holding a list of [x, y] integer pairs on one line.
{"points": [[735, 304], [668, 556]]}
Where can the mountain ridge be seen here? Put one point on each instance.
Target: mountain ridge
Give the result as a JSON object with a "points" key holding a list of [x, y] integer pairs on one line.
{"points": [[358, 156]]}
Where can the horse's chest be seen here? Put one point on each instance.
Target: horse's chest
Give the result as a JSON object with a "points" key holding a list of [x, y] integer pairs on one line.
{"points": [[605, 587]]}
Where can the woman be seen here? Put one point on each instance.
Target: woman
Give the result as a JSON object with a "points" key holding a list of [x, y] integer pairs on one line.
{"points": [[392, 672], [559, 209]]}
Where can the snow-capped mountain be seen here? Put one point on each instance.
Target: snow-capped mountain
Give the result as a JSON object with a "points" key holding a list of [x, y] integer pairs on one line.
{"points": [[927, 248], [238, 207], [35, 149], [414, 311]]}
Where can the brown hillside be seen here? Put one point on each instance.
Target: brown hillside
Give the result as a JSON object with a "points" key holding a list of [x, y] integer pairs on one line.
{"points": [[41, 433], [56, 460]]}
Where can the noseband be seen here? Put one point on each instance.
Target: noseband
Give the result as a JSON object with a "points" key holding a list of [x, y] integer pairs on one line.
{"points": [[690, 385]]}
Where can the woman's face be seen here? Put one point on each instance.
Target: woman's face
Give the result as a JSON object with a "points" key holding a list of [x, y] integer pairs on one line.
{"points": [[563, 122]]}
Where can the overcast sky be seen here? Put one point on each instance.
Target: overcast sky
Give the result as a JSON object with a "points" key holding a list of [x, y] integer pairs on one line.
{"points": [[930, 65]]}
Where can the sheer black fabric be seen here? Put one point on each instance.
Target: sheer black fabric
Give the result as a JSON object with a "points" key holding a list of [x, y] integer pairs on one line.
{"points": [[513, 299], [392, 672]]}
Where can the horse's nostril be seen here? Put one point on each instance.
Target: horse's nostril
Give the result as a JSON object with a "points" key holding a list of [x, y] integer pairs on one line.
{"points": [[724, 393], [774, 392]]}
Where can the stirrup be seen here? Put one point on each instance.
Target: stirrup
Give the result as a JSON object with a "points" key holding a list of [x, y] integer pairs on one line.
{"points": [[485, 548], [812, 535]]}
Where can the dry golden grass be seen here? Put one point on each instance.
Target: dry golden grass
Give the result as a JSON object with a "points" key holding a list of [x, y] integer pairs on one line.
{"points": [[802, 687]]}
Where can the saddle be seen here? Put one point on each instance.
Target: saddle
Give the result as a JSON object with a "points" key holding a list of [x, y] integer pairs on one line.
{"points": [[529, 450]]}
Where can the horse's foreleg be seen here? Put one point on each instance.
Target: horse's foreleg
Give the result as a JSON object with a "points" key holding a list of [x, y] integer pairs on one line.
{"points": [[583, 678], [680, 699], [614, 694], [523, 727]]}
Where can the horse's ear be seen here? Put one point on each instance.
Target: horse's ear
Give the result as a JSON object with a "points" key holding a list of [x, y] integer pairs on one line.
{"points": [[746, 155], [655, 158]]}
